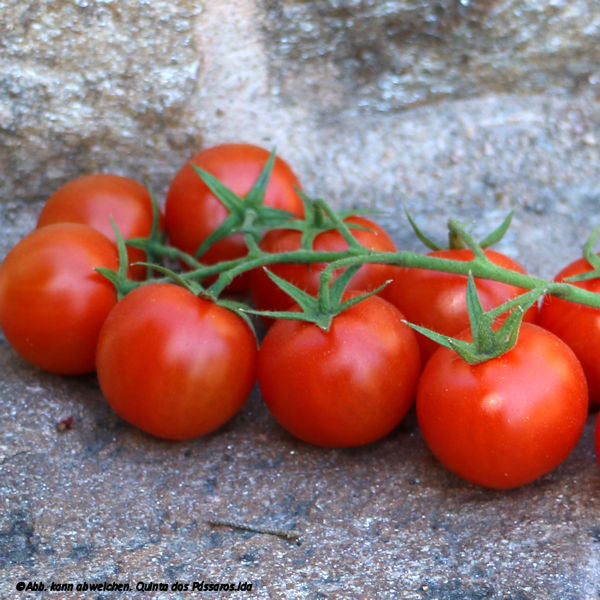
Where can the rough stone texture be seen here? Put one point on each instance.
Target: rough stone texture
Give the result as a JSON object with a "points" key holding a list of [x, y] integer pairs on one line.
{"points": [[456, 108], [390, 55], [102, 501], [88, 86]]}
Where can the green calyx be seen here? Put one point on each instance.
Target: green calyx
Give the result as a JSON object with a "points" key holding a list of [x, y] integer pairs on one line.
{"points": [[320, 310], [247, 215], [153, 245], [592, 258], [318, 218], [456, 239], [488, 342]]}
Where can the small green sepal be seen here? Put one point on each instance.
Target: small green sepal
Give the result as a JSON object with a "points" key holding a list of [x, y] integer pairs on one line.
{"points": [[459, 237], [592, 258], [427, 241], [487, 343], [320, 310], [498, 233], [247, 215]]}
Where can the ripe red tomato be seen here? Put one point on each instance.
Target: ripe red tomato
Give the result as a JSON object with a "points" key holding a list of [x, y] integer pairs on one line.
{"points": [[52, 301], [577, 325], [175, 365], [93, 199], [266, 295], [345, 387], [507, 421], [192, 212], [438, 301]]}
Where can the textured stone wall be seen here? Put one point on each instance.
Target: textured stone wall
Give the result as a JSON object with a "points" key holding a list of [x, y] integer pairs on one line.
{"points": [[387, 56], [138, 86], [94, 85], [469, 107]]}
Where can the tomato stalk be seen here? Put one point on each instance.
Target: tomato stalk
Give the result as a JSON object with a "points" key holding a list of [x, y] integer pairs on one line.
{"points": [[252, 219], [479, 266]]}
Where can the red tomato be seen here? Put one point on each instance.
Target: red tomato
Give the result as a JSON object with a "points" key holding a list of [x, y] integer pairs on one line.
{"points": [[266, 295], [438, 300], [94, 199], [577, 325], [52, 301], [175, 365], [509, 420], [193, 213], [345, 387]]}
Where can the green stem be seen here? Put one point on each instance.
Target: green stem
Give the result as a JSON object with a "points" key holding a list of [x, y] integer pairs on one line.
{"points": [[324, 295], [339, 225], [480, 267], [457, 229]]}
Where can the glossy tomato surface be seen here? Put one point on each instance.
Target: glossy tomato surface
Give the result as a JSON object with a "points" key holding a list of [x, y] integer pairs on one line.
{"points": [[507, 421], [437, 300], [192, 212], [577, 325], [175, 365], [266, 295], [52, 301], [93, 199], [346, 387]]}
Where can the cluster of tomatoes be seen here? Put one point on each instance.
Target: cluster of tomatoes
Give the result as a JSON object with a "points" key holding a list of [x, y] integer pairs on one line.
{"points": [[178, 364]]}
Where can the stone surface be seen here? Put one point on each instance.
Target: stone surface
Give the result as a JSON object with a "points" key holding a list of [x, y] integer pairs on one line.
{"points": [[94, 85], [103, 502], [372, 103], [386, 56]]}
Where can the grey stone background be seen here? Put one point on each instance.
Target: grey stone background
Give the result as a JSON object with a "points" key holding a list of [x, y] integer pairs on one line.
{"points": [[467, 108]]}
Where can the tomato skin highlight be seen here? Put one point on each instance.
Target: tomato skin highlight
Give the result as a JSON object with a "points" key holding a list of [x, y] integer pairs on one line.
{"points": [[505, 422], [175, 365], [266, 295], [192, 212], [52, 301], [346, 387], [437, 300], [93, 199], [577, 325]]}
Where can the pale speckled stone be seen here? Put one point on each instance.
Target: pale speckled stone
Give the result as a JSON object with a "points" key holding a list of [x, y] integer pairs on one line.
{"points": [[383, 112], [94, 85], [386, 56]]}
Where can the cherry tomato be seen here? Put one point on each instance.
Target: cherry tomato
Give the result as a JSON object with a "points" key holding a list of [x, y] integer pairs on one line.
{"points": [[175, 365], [346, 387], [52, 301], [437, 300], [192, 212], [94, 199], [507, 421], [577, 325], [266, 295]]}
